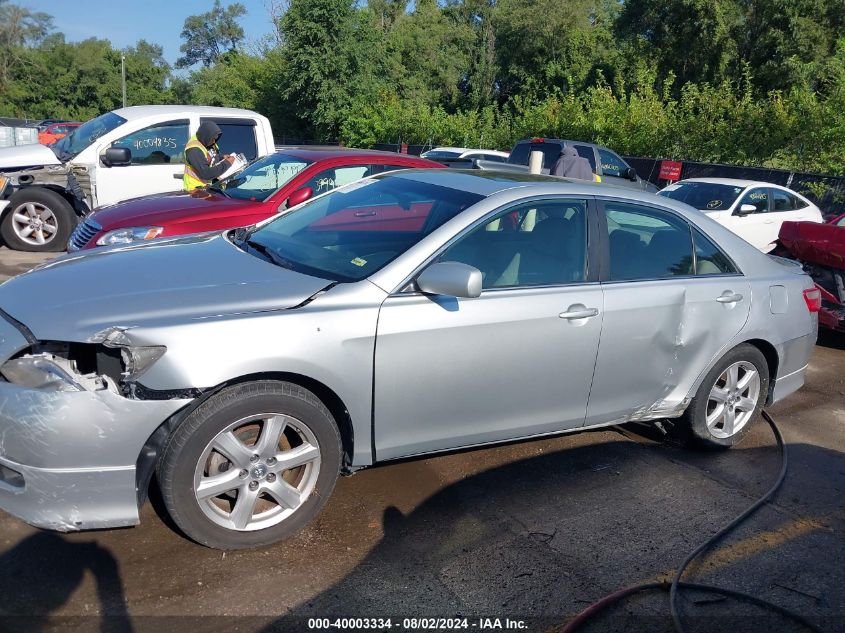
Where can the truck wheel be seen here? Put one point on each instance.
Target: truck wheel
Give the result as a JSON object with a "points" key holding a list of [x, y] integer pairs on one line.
{"points": [[37, 220], [250, 466], [729, 399]]}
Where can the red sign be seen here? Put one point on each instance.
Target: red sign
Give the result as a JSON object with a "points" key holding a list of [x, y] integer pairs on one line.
{"points": [[670, 170]]}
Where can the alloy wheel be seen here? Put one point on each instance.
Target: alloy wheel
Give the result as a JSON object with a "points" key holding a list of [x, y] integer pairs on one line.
{"points": [[34, 223], [733, 399], [257, 472]]}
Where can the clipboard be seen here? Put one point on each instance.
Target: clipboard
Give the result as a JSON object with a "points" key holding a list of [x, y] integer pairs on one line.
{"points": [[239, 163]]}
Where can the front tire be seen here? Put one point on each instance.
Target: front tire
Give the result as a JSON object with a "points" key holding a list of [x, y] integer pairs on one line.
{"points": [[729, 400], [38, 220], [250, 466]]}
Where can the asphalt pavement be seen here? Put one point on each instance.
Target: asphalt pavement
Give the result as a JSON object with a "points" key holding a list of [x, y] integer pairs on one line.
{"points": [[529, 533]]}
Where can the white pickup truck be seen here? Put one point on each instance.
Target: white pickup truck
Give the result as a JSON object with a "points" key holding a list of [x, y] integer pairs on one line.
{"points": [[119, 155]]}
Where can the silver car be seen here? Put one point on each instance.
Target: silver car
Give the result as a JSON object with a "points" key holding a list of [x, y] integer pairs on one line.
{"points": [[401, 315]]}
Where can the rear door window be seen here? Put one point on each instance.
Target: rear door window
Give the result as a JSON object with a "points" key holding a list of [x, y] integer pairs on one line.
{"points": [[709, 258], [585, 151], [646, 243], [781, 201], [237, 136]]}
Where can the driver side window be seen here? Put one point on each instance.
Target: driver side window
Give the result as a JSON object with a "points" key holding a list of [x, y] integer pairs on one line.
{"points": [[535, 244], [611, 164], [158, 144], [758, 198]]}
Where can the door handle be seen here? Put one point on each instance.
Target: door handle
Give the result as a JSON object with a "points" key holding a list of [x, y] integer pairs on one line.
{"points": [[729, 297], [579, 312], [364, 214], [768, 221]]}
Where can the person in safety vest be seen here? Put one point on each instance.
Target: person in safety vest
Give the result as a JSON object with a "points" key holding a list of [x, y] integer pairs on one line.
{"points": [[201, 166]]}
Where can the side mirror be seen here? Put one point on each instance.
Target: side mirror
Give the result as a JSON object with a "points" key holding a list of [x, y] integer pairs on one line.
{"points": [[630, 174], [117, 157], [299, 196], [745, 210], [452, 279]]}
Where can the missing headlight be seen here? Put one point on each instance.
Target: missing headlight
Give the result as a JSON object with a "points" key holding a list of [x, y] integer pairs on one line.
{"points": [[53, 367]]}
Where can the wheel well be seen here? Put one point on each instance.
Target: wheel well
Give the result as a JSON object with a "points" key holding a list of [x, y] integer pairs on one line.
{"points": [[771, 355], [151, 452], [68, 197]]}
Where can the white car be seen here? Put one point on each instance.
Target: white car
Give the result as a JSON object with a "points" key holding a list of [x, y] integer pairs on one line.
{"points": [[464, 153], [753, 210]]}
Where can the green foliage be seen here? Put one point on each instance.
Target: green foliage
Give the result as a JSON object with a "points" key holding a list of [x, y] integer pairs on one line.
{"points": [[754, 82], [209, 35]]}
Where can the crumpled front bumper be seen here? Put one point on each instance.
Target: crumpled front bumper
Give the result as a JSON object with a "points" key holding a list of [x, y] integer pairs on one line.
{"points": [[68, 458]]}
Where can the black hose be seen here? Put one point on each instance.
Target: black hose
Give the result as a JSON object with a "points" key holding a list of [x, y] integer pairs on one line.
{"points": [[677, 584]]}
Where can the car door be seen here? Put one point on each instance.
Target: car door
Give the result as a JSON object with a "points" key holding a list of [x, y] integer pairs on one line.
{"points": [[672, 301], [752, 225], [156, 165], [613, 170], [514, 362]]}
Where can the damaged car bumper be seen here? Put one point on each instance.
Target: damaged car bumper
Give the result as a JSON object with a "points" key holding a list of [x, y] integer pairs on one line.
{"points": [[69, 458]]}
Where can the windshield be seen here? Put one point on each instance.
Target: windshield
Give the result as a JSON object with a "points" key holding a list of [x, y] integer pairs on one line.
{"points": [[263, 178], [80, 138], [707, 196], [351, 232]]}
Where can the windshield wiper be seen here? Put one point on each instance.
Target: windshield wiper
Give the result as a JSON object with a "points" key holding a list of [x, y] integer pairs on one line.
{"points": [[217, 189], [269, 254]]}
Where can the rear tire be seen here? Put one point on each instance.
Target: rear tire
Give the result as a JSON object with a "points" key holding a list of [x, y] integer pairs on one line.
{"points": [[250, 466], [38, 220], [729, 400]]}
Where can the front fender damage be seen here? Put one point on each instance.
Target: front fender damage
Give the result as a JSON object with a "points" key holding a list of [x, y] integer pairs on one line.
{"points": [[76, 180]]}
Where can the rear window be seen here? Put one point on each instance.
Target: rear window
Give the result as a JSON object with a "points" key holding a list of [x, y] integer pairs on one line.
{"points": [[551, 151], [707, 196]]}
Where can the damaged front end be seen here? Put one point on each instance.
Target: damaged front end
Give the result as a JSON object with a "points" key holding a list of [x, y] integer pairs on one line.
{"points": [[74, 428], [68, 177]]}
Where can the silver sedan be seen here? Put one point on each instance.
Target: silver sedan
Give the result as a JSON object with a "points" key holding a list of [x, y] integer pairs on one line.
{"points": [[416, 312]]}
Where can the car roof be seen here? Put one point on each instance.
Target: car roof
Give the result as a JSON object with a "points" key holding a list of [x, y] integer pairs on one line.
{"points": [[732, 182], [345, 152], [139, 112], [449, 149], [488, 182]]}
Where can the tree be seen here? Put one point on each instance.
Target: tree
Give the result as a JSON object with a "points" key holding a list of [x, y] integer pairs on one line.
{"points": [[209, 35], [147, 74], [18, 27], [332, 57], [429, 55]]}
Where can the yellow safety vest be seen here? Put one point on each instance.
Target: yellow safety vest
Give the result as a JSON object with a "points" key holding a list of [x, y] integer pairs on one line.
{"points": [[191, 180]]}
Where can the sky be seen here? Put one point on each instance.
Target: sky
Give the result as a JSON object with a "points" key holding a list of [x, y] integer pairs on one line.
{"points": [[124, 22]]}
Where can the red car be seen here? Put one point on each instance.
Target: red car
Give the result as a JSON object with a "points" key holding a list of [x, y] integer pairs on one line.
{"points": [[55, 131], [821, 249], [266, 187]]}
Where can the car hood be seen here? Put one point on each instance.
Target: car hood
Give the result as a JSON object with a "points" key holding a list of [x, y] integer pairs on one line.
{"points": [[27, 156], [168, 208], [158, 283]]}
